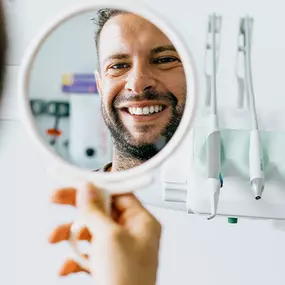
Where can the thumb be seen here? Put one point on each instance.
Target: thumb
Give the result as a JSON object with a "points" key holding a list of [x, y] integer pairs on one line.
{"points": [[93, 204]]}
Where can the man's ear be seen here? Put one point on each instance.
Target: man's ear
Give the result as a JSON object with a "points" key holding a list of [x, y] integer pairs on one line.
{"points": [[98, 81]]}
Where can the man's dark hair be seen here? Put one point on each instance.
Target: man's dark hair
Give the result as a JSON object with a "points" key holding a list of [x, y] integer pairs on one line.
{"points": [[3, 48], [102, 16]]}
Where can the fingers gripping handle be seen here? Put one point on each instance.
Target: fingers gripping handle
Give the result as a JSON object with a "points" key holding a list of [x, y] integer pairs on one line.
{"points": [[80, 259], [77, 227]]}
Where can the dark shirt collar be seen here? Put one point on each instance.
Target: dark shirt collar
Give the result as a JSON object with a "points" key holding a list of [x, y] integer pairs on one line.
{"points": [[105, 168]]}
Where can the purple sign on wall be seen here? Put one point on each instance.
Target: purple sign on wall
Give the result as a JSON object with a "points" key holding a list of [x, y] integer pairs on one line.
{"points": [[79, 83]]}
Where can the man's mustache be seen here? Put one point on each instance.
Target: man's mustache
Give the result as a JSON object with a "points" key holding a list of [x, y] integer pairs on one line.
{"points": [[154, 95]]}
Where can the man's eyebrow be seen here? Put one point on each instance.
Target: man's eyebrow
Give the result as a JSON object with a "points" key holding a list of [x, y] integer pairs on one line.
{"points": [[117, 56], [162, 49]]}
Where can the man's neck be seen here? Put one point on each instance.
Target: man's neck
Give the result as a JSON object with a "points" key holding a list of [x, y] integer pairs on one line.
{"points": [[122, 162]]}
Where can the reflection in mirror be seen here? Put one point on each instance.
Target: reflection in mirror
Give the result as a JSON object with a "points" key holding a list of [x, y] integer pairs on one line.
{"points": [[107, 90]]}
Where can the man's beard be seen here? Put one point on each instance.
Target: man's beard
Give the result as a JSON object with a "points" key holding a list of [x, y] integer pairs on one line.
{"points": [[123, 139]]}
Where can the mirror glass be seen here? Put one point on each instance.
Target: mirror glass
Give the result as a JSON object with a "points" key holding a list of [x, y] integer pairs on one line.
{"points": [[107, 90]]}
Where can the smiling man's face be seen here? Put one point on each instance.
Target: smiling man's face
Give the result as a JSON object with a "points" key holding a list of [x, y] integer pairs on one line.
{"points": [[142, 85]]}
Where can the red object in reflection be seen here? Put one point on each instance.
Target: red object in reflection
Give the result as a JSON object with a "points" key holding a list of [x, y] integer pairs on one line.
{"points": [[54, 132]]}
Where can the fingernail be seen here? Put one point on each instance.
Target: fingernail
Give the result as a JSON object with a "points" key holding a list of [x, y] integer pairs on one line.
{"points": [[92, 195], [62, 272]]}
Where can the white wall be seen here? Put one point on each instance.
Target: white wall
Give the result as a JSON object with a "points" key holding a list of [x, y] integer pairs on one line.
{"points": [[69, 49], [194, 251]]}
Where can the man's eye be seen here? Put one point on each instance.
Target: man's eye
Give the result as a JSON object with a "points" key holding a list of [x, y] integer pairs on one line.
{"points": [[166, 60], [119, 66]]}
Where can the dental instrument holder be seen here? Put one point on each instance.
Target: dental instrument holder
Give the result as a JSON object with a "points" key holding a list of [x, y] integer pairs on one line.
{"points": [[213, 148], [237, 199], [213, 142], [235, 125]]}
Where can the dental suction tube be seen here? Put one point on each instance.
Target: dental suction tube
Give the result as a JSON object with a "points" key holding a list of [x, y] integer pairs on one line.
{"points": [[256, 166], [248, 71], [214, 66]]}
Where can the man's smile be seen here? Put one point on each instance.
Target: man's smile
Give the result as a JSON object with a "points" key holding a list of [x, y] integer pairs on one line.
{"points": [[147, 110], [144, 110]]}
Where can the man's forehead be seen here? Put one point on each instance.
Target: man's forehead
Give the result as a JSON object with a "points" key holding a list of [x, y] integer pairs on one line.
{"points": [[129, 33], [129, 22]]}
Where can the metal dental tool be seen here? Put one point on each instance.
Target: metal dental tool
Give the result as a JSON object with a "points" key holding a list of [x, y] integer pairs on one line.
{"points": [[244, 76], [213, 141], [212, 37]]}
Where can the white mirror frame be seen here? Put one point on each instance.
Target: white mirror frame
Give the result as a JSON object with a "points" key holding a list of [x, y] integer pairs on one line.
{"points": [[191, 81]]}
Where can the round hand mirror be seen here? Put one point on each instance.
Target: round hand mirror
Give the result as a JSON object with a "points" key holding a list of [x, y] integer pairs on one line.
{"points": [[109, 91]]}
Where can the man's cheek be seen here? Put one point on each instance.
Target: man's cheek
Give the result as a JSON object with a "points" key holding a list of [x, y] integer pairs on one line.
{"points": [[106, 95], [174, 82]]}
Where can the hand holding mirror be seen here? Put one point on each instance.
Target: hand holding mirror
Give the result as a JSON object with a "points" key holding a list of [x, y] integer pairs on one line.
{"points": [[109, 92]]}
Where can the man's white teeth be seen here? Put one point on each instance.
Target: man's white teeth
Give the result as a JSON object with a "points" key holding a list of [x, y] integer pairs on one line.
{"points": [[145, 110]]}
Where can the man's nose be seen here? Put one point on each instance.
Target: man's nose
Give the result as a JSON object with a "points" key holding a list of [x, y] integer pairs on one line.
{"points": [[140, 79]]}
